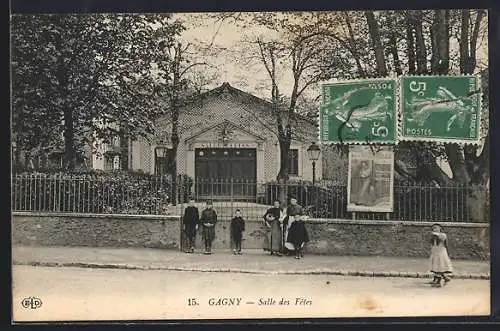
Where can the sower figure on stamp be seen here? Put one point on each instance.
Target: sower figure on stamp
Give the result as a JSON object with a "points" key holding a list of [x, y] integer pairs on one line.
{"points": [[292, 211], [237, 228], [440, 261], [273, 219], [208, 220], [190, 221]]}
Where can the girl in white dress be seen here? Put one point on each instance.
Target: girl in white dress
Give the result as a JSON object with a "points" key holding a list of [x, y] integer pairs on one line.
{"points": [[440, 261]]}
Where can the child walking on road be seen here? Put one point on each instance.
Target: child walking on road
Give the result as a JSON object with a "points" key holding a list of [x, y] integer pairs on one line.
{"points": [[237, 228], [440, 261]]}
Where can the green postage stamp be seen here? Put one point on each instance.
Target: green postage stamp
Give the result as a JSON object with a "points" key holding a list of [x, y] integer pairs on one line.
{"points": [[440, 108], [359, 112]]}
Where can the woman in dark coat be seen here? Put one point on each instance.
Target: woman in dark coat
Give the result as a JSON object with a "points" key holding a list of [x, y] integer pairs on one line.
{"points": [[293, 211], [272, 220], [208, 220], [298, 236]]}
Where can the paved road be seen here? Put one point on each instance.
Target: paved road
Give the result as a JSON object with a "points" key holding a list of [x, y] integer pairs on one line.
{"points": [[103, 294]]}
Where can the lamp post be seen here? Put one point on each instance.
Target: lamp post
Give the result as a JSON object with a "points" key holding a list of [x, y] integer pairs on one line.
{"points": [[313, 153]]}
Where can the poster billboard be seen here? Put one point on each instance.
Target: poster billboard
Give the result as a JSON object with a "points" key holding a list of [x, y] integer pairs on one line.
{"points": [[370, 183]]}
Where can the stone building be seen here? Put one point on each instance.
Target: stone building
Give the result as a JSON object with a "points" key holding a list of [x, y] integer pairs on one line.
{"points": [[226, 134]]}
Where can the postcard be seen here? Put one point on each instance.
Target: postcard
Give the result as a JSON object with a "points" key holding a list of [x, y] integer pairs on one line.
{"points": [[250, 165]]}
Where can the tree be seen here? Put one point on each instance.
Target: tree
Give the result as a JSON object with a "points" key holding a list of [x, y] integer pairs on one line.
{"points": [[376, 43], [88, 75], [174, 66], [468, 164], [291, 50], [419, 42]]}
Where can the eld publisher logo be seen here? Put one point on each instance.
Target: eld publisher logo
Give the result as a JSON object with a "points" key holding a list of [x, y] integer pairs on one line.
{"points": [[32, 303]]}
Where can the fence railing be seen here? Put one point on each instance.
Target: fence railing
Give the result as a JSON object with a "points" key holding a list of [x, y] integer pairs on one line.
{"points": [[155, 195]]}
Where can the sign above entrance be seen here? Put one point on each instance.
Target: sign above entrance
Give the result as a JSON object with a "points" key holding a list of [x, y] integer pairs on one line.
{"points": [[215, 144]]}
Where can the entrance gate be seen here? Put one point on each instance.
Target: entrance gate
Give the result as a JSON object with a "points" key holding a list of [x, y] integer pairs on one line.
{"points": [[225, 173]]}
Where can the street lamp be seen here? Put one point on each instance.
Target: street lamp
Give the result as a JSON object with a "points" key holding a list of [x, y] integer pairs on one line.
{"points": [[313, 153]]}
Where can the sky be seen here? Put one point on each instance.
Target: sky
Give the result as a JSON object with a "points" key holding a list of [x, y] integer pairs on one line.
{"points": [[228, 36], [203, 28]]}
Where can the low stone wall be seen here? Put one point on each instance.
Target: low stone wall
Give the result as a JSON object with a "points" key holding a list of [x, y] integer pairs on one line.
{"points": [[329, 237], [391, 238], [97, 230]]}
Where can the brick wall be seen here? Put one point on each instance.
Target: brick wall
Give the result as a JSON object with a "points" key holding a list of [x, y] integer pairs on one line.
{"points": [[329, 237]]}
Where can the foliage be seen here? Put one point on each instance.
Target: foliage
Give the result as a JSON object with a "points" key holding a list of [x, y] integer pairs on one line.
{"points": [[83, 77]]}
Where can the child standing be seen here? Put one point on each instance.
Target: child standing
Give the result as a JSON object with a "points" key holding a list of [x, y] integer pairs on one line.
{"points": [[298, 236], [208, 220], [190, 220], [237, 228], [440, 261]]}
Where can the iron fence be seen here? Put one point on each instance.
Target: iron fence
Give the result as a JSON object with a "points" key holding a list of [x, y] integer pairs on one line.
{"points": [[90, 194], [155, 195]]}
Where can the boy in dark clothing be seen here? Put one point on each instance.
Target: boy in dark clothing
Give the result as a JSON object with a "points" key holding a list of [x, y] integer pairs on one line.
{"points": [[237, 228], [190, 221], [208, 220]]}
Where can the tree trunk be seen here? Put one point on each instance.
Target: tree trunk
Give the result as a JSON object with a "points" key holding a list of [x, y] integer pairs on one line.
{"points": [[471, 63], [441, 42], [393, 49], [410, 43], [124, 148], [69, 140], [352, 45], [377, 43], [173, 159], [173, 167], [174, 106], [478, 203], [456, 161], [284, 143], [420, 49], [17, 151], [464, 41]]}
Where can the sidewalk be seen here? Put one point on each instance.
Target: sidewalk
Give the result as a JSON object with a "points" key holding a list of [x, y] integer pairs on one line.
{"points": [[252, 261]]}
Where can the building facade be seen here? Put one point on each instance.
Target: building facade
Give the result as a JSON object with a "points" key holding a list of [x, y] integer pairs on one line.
{"points": [[226, 134]]}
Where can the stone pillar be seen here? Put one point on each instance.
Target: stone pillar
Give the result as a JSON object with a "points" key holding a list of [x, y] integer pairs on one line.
{"points": [[189, 163], [261, 166]]}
